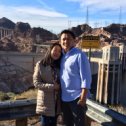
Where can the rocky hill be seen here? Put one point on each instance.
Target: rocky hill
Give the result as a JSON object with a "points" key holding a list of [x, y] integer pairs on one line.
{"points": [[6, 23], [112, 33], [111, 29], [116, 29], [80, 29], [14, 78], [23, 37]]}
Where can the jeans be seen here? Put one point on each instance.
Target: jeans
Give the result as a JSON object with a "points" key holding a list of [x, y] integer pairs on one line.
{"points": [[74, 114], [48, 121]]}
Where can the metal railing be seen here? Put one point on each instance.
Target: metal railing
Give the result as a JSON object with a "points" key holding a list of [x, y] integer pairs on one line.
{"points": [[104, 115], [21, 109]]}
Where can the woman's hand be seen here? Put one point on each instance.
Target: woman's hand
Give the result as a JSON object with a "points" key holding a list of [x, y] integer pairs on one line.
{"points": [[56, 86]]}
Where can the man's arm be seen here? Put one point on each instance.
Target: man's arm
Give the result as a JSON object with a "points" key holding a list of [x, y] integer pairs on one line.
{"points": [[82, 100]]}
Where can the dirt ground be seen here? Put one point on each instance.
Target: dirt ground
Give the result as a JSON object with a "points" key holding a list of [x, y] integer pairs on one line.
{"points": [[35, 121]]}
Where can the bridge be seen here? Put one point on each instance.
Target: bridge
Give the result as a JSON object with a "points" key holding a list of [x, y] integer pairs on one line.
{"points": [[4, 32]]}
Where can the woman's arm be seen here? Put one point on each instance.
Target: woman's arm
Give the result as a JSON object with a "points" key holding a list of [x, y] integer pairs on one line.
{"points": [[37, 80]]}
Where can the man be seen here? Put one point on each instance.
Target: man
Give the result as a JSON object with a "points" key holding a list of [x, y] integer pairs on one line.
{"points": [[75, 77]]}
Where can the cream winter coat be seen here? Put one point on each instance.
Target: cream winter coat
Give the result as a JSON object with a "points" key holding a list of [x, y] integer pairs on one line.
{"points": [[43, 80]]}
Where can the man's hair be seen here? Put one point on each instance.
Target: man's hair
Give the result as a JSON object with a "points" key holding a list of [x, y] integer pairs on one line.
{"points": [[68, 32]]}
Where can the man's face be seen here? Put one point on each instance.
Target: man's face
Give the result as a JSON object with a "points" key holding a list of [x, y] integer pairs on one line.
{"points": [[67, 41]]}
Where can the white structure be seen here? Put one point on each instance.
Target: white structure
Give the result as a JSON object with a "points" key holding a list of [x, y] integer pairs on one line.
{"points": [[5, 32], [110, 53], [122, 55], [109, 76]]}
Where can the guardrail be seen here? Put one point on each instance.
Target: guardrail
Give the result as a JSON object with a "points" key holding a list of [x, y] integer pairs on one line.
{"points": [[17, 109], [21, 109], [104, 115]]}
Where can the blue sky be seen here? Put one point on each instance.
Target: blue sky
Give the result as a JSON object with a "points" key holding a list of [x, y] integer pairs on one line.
{"points": [[56, 15]]}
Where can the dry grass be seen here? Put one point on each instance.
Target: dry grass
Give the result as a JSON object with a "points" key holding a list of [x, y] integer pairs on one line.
{"points": [[30, 94], [119, 108]]}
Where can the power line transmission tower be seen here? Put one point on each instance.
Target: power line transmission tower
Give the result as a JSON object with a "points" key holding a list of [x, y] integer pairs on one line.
{"points": [[69, 24], [96, 24], [87, 20], [120, 19], [120, 15]]}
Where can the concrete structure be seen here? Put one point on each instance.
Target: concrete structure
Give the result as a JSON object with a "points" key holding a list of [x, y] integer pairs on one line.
{"points": [[110, 53], [5, 32], [122, 55], [109, 76], [23, 60]]}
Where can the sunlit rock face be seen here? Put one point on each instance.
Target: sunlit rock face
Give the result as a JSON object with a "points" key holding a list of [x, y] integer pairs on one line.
{"points": [[14, 78], [23, 37]]}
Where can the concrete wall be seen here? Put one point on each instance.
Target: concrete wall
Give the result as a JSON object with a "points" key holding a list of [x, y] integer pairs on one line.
{"points": [[123, 89], [28, 60], [24, 60]]}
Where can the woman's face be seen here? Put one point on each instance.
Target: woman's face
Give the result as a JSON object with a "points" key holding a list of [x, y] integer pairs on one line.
{"points": [[56, 52]]}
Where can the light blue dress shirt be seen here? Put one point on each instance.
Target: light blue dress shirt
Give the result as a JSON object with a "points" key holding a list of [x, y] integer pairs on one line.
{"points": [[75, 74]]}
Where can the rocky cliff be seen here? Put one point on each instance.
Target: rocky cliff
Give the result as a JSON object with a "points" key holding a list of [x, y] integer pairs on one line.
{"points": [[116, 29], [6, 23], [23, 36], [14, 78], [80, 29]]}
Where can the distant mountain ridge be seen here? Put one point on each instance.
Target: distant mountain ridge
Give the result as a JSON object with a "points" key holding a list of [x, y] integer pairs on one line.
{"points": [[25, 28], [6, 23], [81, 29], [78, 30], [112, 29], [116, 28], [24, 37]]}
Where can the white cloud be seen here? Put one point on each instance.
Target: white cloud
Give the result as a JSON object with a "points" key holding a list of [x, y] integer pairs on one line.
{"points": [[38, 11], [44, 5], [101, 4], [103, 10], [36, 17]]}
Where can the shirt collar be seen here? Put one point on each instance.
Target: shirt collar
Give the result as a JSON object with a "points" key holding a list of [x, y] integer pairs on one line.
{"points": [[72, 48]]}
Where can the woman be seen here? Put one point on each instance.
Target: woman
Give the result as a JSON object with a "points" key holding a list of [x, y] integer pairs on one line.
{"points": [[46, 79]]}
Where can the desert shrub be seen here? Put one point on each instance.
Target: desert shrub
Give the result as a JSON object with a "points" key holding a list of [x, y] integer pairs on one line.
{"points": [[3, 96]]}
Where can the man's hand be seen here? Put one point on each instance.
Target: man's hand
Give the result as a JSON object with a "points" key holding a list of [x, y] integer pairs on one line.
{"points": [[81, 102]]}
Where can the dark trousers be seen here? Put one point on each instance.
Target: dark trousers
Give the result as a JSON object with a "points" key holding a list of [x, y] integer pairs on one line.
{"points": [[74, 114], [48, 121]]}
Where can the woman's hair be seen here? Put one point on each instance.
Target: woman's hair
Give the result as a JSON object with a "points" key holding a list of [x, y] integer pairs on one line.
{"points": [[47, 60]]}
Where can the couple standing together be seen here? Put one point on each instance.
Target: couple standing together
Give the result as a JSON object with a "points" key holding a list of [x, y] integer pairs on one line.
{"points": [[64, 70]]}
